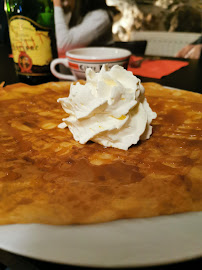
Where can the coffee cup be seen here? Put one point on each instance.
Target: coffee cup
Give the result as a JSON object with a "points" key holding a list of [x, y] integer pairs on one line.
{"points": [[78, 60]]}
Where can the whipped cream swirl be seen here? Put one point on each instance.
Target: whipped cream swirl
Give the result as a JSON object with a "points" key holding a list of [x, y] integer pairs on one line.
{"points": [[109, 109]]}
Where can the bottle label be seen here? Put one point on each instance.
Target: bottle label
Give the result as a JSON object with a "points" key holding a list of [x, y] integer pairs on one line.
{"points": [[31, 46]]}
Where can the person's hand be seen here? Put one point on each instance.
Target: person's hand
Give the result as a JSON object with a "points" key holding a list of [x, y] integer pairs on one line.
{"points": [[67, 5], [57, 3], [190, 51]]}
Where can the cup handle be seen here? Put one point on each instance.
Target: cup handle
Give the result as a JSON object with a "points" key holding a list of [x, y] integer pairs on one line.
{"points": [[58, 75]]}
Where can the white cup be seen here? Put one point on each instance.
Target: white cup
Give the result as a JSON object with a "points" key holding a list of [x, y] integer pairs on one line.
{"points": [[78, 60]]}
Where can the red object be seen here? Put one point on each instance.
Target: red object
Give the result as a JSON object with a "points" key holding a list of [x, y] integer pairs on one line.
{"points": [[25, 62], [61, 55], [153, 68], [73, 65]]}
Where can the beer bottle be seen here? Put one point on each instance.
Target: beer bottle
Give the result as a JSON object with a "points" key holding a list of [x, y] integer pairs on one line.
{"points": [[32, 37]]}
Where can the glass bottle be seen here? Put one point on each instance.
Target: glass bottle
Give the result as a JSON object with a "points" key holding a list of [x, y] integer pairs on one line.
{"points": [[32, 37]]}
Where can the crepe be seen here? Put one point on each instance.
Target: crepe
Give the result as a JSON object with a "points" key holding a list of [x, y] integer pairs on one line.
{"points": [[47, 177]]}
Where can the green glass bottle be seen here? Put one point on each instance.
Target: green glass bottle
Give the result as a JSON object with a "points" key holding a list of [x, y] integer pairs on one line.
{"points": [[32, 37]]}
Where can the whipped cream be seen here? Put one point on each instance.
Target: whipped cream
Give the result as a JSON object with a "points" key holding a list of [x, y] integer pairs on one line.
{"points": [[109, 109]]}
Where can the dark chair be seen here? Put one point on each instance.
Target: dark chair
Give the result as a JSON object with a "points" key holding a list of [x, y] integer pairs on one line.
{"points": [[136, 47]]}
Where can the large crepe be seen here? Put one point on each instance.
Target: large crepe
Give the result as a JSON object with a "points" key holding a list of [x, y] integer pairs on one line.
{"points": [[47, 177]]}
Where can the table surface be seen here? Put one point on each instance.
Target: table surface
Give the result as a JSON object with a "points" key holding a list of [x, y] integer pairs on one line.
{"points": [[187, 78]]}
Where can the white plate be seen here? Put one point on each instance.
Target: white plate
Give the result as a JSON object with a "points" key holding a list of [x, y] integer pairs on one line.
{"points": [[123, 243]]}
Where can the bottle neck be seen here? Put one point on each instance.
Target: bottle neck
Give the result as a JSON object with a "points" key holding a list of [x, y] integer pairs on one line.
{"points": [[40, 11]]}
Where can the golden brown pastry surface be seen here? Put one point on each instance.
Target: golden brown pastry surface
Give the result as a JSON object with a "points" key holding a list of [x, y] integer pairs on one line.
{"points": [[47, 177]]}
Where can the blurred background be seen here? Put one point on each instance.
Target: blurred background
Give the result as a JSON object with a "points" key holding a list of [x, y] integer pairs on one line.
{"points": [[174, 23], [166, 25], [155, 15]]}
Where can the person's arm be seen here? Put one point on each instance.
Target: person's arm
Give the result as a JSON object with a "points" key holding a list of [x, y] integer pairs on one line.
{"points": [[93, 25], [190, 51], [57, 3]]}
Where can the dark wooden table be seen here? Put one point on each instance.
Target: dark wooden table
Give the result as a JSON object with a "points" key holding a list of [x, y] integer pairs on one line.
{"points": [[188, 78]]}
